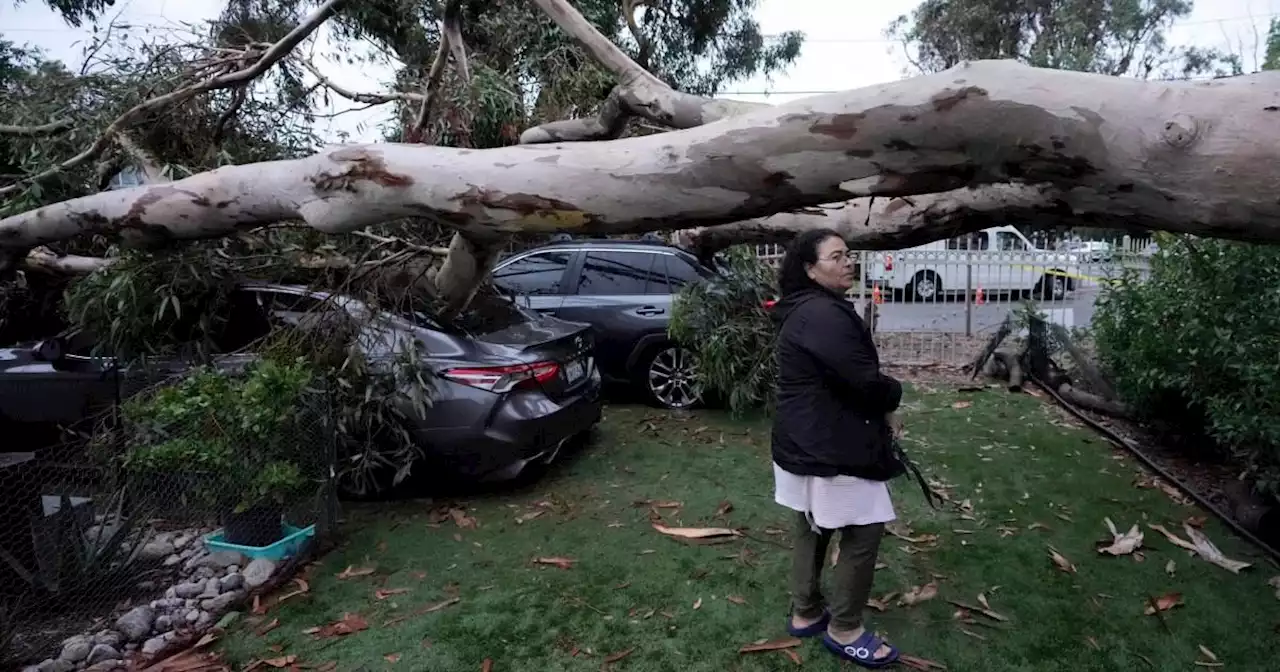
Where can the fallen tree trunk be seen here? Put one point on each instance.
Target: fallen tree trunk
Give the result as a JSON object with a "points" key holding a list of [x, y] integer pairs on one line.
{"points": [[1017, 141]]}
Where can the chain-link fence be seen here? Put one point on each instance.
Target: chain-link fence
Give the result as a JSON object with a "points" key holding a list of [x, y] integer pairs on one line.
{"points": [[173, 506], [939, 303]]}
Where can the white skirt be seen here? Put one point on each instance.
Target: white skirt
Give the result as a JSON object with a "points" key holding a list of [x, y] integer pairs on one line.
{"points": [[835, 501]]}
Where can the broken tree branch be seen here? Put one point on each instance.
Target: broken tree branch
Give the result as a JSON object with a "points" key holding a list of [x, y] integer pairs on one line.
{"points": [[51, 128], [450, 41], [988, 139], [638, 93], [241, 77], [356, 96]]}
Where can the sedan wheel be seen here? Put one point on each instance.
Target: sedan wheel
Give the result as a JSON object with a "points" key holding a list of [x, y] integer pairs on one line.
{"points": [[671, 379]]}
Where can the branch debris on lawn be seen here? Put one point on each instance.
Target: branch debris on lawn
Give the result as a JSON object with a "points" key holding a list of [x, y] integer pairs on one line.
{"points": [[1201, 546], [770, 645], [562, 563], [421, 611], [1121, 544]]}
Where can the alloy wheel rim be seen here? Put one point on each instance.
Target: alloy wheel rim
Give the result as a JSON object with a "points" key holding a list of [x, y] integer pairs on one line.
{"points": [[673, 378]]}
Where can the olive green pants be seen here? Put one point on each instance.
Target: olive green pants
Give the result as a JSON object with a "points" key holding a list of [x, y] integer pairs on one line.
{"points": [[854, 572]]}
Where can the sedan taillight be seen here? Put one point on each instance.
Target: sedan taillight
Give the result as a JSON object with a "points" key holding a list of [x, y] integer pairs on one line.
{"points": [[500, 379]]}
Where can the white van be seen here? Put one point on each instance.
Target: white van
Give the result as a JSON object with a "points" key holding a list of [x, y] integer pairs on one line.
{"points": [[998, 260]]}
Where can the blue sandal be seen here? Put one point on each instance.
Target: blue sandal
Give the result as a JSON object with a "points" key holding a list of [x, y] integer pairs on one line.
{"points": [[816, 628], [862, 650]]}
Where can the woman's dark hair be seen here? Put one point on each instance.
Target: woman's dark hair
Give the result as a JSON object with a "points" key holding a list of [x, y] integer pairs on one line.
{"points": [[803, 251]]}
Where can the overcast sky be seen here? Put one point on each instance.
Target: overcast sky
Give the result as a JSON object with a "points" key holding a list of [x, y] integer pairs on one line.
{"points": [[844, 47]]}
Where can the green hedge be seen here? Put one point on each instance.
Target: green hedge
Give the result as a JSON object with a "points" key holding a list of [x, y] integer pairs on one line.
{"points": [[1196, 348]]}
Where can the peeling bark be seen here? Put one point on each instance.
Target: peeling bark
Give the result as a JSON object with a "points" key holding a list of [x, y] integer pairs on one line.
{"points": [[992, 140]]}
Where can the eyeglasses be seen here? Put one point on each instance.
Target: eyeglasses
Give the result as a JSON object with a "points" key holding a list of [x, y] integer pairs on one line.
{"points": [[837, 257]]}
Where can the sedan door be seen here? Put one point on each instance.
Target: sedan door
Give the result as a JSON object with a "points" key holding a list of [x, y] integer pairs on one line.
{"points": [[623, 295]]}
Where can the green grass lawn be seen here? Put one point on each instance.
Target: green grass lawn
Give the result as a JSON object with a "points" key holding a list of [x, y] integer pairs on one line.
{"points": [[1020, 480]]}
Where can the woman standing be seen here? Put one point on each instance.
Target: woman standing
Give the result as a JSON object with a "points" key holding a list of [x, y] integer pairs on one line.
{"points": [[833, 445]]}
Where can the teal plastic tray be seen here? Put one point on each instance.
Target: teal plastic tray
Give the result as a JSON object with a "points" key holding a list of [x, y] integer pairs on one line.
{"points": [[293, 539]]}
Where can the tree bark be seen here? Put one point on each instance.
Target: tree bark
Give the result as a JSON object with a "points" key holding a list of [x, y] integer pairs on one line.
{"points": [[992, 140]]}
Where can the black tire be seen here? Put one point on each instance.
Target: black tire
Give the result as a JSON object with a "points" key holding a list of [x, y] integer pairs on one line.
{"points": [[1052, 288], [683, 393], [922, 280]]}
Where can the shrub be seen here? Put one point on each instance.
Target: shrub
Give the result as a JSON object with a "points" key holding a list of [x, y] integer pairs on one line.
{"points": [[241, 435], [1193, 347], [724, 320]]}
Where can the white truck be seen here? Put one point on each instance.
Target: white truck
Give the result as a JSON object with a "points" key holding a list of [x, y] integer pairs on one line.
{"points": [[998, 260]]}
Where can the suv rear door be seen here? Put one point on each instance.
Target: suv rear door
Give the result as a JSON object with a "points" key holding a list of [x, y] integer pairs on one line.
{"points": [[623, 295], [537, 279]]}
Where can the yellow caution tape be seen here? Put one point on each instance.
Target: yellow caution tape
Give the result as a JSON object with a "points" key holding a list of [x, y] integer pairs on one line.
{"points": [[1054, 271]]}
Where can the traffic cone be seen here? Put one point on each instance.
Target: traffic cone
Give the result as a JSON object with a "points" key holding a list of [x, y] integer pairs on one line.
{"points": [[876, 297], [981, 298]]}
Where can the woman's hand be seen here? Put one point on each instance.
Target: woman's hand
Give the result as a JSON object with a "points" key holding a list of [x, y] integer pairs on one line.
{"points": [[894, 421]]}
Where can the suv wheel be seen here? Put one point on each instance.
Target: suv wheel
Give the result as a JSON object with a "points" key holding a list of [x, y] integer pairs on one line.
{"points": [[668, 377]]}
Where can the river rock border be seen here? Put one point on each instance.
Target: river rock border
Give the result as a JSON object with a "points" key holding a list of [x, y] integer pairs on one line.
{"points": [[209, 586]]}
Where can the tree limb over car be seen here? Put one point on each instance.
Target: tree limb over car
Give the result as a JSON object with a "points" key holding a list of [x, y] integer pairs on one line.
{"points": [[915, 160]]}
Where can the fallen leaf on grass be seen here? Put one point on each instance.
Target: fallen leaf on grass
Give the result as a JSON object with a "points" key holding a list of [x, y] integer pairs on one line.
{"points": [[1061, 561], [961, 404], [562, 563], [725, 507], [282, 661], [1173, 538], [742, 600], [1213, 658], [392, 658], [615, 657], [1121, 544], [995, 616], [695, 532], [461, 519], [275, 623], [1164, 603], [383, 594], [521, 520], [1170, 567], [348, 624], [919, 594], [920, 663], [697, 604], [881, 603], [771, 645], [352, 572], [663, 504], [1206, 550], [487, 665]]}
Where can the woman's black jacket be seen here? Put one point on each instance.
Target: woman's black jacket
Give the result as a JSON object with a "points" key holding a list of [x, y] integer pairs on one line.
{"points": [[832, 398]]}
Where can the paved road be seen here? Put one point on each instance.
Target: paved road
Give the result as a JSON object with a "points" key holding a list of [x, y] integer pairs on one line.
{"points": [[949, 316]]}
